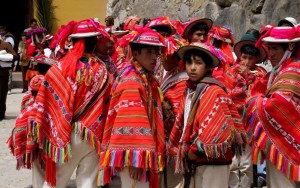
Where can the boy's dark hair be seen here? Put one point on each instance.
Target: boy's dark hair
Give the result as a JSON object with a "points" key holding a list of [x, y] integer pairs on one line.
{"points": [[194, 52], [33, 20], [163, 28], [138, 47], [3, 27], [199, 27], [43, 68], [285, 46], [250, 50], [121, 27], [90, 43], [110, 20]]}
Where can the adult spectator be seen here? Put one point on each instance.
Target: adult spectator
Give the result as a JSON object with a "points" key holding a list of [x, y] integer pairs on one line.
{"points": [[9, 38], [6, 59]]}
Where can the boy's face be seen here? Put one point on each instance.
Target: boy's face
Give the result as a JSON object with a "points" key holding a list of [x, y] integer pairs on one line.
{"points": [[147, 58], [275, 53], [199, 36], [2, 32], [196, 68], [105, 48], [248, 60]]}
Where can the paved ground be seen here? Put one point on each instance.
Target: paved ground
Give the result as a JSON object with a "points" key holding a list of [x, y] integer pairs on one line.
{"points": [[9, 176]]}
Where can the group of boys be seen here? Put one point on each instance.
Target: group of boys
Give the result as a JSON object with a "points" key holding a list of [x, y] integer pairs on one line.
{"points": [[164, 105]]}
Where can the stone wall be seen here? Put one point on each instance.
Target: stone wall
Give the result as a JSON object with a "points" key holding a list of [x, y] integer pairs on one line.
{"points": [[240, 15]]}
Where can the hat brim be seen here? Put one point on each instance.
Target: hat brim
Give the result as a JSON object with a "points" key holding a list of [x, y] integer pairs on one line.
{"points": [[283, 21], [237, 49], [275, 40], [83, 35], [182, 50], [45, 61], [150, 44], [117, 33], [186, 31]]}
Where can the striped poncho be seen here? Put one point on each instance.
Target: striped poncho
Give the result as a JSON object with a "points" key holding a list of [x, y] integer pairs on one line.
{"points": [[239, 87], [134, 132], [213, 127], [65, 105], [274, 120], [22, 142], [173, 86]]}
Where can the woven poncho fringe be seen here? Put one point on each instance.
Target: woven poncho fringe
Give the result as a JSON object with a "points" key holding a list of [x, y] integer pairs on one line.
{"points": [[275, 123]]}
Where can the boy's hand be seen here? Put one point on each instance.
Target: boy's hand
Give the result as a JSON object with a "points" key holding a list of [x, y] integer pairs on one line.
{"points": [[135, 173], [192, 156], [243, 70]]}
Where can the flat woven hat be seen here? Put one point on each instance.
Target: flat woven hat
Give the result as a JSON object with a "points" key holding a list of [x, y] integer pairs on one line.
{"points": [[201, 47]]}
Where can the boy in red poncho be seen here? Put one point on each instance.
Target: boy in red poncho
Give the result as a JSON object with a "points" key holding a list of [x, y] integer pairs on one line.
{"points": [[239, 81], [134, 131], [208, 129]]}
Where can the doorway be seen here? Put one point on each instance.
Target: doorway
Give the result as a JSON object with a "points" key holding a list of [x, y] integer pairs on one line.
{"points": [[16, 15]]}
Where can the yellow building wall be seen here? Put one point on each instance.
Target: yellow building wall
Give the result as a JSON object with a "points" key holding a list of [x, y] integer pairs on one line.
{"points": [[67, 10]]}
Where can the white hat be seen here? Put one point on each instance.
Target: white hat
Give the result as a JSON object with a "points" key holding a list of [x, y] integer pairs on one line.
{"points": [[291, 20]]}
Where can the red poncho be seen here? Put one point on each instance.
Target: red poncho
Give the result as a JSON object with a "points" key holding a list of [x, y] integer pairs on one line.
{"points": [[65, 104], [274, 120], [134, 131], [213, 127]]}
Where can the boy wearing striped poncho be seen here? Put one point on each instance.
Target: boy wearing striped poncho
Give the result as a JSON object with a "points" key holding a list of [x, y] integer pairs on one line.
{"points": [[134, 131], [208, 128]]}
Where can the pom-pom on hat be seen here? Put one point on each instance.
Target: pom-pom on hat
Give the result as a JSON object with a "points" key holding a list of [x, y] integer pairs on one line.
{"points": [[201, 47]]}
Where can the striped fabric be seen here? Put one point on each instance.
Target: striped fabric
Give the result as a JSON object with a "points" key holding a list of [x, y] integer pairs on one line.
{"points": [[213, 126], [134, 132], [22, 142], [173, 87], [239, 87], [274, 119], [64, 105]]}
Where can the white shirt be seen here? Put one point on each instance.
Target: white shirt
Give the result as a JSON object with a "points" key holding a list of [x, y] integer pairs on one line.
{"points": [[187, 110]]}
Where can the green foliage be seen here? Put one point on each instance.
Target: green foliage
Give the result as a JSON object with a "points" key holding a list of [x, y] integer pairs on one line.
{"points": [[45, 13]]}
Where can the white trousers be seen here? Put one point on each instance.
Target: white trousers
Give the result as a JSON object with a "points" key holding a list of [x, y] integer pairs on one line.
{"points": [[276, 179], [210, 176], [84, 159], [241, 170], [127, 182]]}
